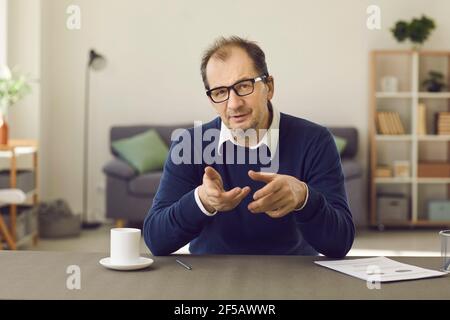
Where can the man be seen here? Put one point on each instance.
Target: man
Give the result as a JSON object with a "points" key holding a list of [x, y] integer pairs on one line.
{"points": [[229, 206]]}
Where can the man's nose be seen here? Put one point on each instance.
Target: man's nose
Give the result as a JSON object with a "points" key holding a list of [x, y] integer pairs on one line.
{"points": [[234, 101]]}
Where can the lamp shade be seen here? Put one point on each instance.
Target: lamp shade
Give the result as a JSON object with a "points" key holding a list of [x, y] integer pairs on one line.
{"points": [[96, 60]]}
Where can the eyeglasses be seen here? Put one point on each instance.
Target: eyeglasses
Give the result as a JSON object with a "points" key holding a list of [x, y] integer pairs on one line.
{"points": [[241, 88]]}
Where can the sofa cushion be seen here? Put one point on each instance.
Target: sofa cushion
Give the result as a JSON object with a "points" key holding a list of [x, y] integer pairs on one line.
{"points": [[165, 132], [340, 143], [145, 152], [351, 135], [351, 168], [119, 169], [146, 184]]}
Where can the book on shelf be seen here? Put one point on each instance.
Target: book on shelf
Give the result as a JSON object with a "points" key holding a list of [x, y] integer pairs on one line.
{"points": [[382, 123], [422, 119], [383, 128], [398, 123], [442, 120], [383, 171], [389, 123]]}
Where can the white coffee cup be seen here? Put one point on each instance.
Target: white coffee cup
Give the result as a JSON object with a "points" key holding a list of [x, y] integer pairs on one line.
{"points": [[125, 244]]}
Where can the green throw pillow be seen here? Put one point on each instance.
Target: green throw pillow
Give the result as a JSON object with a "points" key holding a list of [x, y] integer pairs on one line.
{"points": [[145, 152], [340, 143]]}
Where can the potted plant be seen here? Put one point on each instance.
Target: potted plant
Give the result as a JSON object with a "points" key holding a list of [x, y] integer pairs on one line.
{"points": [[434, 82], [13, 87], [418, 30]]}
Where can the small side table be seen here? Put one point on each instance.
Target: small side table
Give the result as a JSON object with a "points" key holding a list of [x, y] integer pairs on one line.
{"points": [[12, 150]]}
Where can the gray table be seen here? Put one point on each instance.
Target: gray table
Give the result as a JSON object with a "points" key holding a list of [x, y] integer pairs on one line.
{"points": [[42, 275]]}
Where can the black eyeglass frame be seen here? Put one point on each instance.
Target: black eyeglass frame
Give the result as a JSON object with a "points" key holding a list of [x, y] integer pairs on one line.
{"points": [[262, 77]]}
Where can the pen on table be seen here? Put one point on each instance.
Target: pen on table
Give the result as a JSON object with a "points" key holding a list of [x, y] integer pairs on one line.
{"points": [[184, 264]]}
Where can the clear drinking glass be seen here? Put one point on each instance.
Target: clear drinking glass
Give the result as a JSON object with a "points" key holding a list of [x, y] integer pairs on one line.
{"points": [[445, 250]]}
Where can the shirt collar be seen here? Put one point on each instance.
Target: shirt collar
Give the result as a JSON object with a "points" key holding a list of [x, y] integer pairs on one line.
{"points": [[270, 138]]}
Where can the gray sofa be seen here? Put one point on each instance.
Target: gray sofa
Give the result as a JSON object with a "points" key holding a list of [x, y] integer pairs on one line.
{"points": [[129, 195], [354, 184]]}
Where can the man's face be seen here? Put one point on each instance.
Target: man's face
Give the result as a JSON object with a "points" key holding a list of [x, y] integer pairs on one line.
{"points": [[239, 112]]}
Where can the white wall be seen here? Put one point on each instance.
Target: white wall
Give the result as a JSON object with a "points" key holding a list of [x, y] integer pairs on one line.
{"points": [[3, 30], [316, 50], [23, 54], [24, 42]]}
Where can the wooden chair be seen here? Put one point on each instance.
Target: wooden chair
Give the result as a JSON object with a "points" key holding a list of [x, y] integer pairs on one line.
{"points": [[9, 196]]}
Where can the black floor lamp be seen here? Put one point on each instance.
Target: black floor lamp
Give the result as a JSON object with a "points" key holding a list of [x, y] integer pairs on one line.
{"points": [[96, 62]]}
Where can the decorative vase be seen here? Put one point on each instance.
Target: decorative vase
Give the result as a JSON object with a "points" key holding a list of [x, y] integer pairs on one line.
{"points": [[434, 87], [4, 129]]}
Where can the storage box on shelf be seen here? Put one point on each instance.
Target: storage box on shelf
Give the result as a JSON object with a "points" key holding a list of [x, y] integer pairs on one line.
{"points": [[433, 170], [392, 208], [439, 210], [24, 180], [26, 221]]}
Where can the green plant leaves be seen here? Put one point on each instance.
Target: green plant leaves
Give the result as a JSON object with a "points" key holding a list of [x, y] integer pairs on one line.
{"points": [[418, 30], [434, 82], [12, 90], [400, 31]]}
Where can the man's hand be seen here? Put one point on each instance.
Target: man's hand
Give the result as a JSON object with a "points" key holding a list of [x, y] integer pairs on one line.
{"points": [[281, 195], [214, 197]]}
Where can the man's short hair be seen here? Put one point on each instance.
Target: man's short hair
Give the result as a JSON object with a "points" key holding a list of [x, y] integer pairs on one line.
{"points": [[220, 49]]}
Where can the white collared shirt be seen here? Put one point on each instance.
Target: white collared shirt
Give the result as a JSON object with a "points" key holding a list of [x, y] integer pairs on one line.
{"points": [[270, 139]]}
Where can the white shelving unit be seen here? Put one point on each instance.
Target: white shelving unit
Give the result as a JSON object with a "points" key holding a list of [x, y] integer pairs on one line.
{"points": [[11, 152], [403, 137], [409, 67], [386, 95], [393, 180]]}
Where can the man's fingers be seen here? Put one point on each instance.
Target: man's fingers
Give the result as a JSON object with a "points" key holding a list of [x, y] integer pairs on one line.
{"points": [[234, 193], [269, 188], [279, 212], [231, 193], [244, 192], [229, 198], [262, 176], [212, 174], [222, 196], [267, 203], [282, 208], [212, 184]]}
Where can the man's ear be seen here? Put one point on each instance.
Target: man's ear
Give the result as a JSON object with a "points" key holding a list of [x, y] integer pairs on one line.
{"points": [[271, 87]]}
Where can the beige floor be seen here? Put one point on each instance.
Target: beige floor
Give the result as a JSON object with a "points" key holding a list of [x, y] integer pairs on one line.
{"points": [[367, 243]]}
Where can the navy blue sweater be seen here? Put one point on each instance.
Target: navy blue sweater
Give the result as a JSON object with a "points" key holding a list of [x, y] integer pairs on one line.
{"points": [[306, 151]]}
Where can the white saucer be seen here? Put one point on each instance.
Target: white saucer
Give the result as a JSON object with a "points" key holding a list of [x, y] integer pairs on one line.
{"points": [[141, 263]]}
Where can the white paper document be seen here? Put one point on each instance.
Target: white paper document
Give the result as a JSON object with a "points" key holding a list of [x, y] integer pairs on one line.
{"points": [[383, 268]]}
